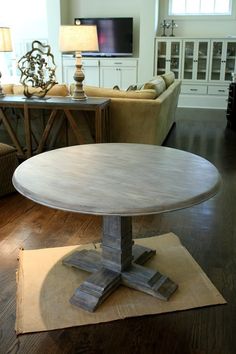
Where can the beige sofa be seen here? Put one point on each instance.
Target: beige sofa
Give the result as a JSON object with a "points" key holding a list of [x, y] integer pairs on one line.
{"points": [[142, 116]]}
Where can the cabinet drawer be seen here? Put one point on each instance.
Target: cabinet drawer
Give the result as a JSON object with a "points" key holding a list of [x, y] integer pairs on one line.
{"points": [[218, 90], [90, 62], [118, 62], [85, 62], [194, 89]]}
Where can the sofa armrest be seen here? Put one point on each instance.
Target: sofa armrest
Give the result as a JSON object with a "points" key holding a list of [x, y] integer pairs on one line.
{"points": [[144, 121]]}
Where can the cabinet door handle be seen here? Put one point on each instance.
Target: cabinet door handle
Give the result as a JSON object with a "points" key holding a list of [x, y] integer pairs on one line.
{"points": [[193, 89], [221, 90], [117, 63]]}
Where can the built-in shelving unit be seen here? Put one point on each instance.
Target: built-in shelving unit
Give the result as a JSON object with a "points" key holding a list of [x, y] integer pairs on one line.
{"points": [[204, 65], [168, 56]]}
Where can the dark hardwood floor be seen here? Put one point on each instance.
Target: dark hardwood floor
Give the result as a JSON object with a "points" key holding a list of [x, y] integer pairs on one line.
{"points": [[207, 230]]}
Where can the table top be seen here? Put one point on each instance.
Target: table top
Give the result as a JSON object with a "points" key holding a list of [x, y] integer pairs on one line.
{"points": [[56, 101], [117, 179]]}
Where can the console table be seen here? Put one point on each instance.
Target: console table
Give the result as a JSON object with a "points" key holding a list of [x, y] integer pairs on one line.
{"points": [[100, 107], [117, 181]]}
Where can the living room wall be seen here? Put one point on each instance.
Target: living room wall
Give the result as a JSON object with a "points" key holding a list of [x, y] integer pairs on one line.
{"points": [[147, 18], [54, 21], [144, 13]]}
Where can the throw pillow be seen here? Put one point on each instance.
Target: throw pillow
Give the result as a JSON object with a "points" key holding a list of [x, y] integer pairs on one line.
{"points": [[169, 78], [132, 88], [158, 84], [7, 88]]}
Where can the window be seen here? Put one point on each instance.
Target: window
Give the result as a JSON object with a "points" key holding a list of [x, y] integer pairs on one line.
{"points": [[200, 7]]}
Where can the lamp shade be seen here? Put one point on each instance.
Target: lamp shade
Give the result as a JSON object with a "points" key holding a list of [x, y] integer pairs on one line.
{"points": [[78, 38], [5, 39]]}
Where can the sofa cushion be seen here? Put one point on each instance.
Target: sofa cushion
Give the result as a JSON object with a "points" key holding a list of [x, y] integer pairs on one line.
{"points": [[7, 88], [158, 84], [59, 90], [110, 93], [169, 78], [56, 90]]}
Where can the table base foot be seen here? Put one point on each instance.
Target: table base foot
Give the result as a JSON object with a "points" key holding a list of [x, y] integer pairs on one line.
{"points": [[148, 281], [142, 254], [88, 260], [95, 289]]}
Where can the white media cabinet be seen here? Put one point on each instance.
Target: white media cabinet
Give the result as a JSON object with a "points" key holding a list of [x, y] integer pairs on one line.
{"points": [[103, 72]]}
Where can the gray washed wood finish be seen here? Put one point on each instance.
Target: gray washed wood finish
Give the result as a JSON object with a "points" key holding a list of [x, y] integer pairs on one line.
{"points": [[104, 280], [117, 181], [115, 266]]}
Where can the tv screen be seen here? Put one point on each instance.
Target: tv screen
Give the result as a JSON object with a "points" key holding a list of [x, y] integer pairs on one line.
{"points": [[115, 35]]}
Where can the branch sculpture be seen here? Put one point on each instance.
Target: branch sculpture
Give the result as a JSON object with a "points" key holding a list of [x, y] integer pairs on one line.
{"points": [[37, 69]]}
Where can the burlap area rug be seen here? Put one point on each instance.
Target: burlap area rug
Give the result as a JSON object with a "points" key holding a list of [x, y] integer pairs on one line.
{"points": [[44, 287]]}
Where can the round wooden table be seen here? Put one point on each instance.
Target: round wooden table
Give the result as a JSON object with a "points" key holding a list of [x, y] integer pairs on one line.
{"points": [[117, 181]]}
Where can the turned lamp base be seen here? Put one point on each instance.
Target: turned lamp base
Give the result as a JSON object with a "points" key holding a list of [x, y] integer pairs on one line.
{"points": [[79, 93]]}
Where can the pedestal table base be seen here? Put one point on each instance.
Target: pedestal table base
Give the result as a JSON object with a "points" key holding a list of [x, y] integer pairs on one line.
{"points": [[119, 263]]}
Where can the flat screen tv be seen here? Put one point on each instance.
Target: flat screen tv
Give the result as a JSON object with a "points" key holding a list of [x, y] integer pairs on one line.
{"points": [[115, 36]]}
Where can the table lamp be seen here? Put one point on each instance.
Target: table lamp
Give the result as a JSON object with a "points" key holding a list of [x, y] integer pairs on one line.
{"points": [[5, 46], [76, 39]]}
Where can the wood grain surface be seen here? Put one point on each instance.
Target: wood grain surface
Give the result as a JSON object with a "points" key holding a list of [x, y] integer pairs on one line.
{"points": [[117, 179]]}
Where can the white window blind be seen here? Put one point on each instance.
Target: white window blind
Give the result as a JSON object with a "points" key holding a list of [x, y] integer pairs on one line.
{"points": [[200, 7]]}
